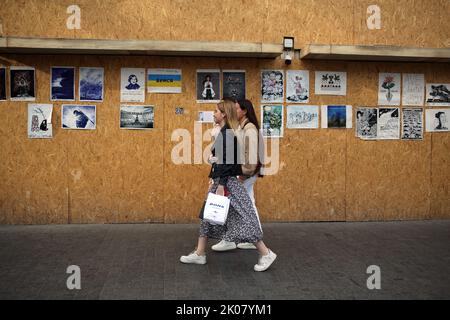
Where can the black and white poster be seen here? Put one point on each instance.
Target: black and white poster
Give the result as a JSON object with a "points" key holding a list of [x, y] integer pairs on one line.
{"points": [[330, 83], [208, 86], [233, 84], [388, 123], [297, 86], [2, 84], [132, 84], [438, 94], [302, 117], [412, 124], [366, 122], [272, 86], [22, 84], [136, 117], [40, 120], [62, 84], [437, 120]]}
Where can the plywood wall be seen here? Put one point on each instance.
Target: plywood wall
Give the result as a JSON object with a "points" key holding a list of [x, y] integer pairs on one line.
{"points": [[114, 176]]}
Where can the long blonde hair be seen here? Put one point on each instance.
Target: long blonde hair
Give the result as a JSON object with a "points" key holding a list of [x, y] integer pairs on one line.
{"points": [[228, 107]]}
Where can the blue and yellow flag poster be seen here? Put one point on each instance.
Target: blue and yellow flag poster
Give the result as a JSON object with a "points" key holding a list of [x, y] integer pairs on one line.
{"points": [[164, 81]]}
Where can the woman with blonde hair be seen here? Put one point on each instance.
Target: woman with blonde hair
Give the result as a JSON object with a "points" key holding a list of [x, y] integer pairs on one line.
{"points": [[242, 223]]}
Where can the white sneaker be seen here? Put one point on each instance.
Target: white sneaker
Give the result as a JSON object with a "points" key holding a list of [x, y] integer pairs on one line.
{"points": [[264, 262], [194, 258], [224, 246], [246, 245]]}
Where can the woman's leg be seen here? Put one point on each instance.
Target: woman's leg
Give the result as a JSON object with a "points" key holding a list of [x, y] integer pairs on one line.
{"points": [[262, 249], [201, 245]]}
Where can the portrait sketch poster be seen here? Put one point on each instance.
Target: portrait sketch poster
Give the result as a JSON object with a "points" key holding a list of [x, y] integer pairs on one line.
{"points": [[438, 94], [233, 84], [91, 84], [62, 84], [437, 120], [302, 117], [164, 81], [208, 86], [272, 86], [330, 83], [2, 84], [272, 121], [81, 117], [336, 117], [22, 84], [136, 117], [132, 85], [389, 89], [40, 120], [297, 86]]}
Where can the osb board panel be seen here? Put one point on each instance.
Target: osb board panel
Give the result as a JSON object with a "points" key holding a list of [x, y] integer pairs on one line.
{"points": [[404, 22], [440, 176]]}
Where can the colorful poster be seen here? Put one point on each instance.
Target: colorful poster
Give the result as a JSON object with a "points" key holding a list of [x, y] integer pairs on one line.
{"points": [[389, 88], [388, 123], [2, 84], [164, 81], [437, 120], [132, 84], [62, 84], [302, 117], [81, 117], [272, 86], [331, 83], [336, 117], [412, 124], [413, 89], [438, 94], [297, 86], [91, 84], [40, 120], [366, 122], [208, 86], [22, 84], [137, 117], [233, 84], [272, 121]]}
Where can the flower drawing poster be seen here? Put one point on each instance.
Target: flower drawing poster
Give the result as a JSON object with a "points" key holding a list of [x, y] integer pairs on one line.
{"points": [[272, 86], [331, 83], [389, 89]]}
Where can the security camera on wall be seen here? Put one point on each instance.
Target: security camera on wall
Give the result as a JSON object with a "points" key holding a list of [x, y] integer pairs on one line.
{"points": [[287, 59]]}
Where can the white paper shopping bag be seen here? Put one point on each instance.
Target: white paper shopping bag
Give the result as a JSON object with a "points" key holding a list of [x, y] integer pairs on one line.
{"points": [[216, 209]]}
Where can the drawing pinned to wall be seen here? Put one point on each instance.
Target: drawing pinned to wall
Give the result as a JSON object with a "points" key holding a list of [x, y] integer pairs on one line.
{"points": [[2, 84], [302, 117], [366, 123], [234, 84], [297, 86], [438, 94], [62, 83], [272, 86], [272, 120], [40, 120], [206, 116], [331, 83], [208, 85], [78, 117], [91, 84], [137, 117], [22, 84], [437, 120], [389, 88], [413, 89], [412, 124], [164, 81], [336, 117], [132, 85], [388, 123]]}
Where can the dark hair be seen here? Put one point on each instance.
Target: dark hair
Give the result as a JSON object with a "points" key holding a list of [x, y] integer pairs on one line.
{"points": [[246, 105], [438, 114], [132, 76]]}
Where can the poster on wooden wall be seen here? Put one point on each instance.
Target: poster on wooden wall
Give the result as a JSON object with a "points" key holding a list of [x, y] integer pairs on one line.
{"points": [[297, 86], [62, 84], [272, 121], [208, 85], [272, 86], [82, 117], [22, 84], [330, 83], [388, 123], [91, 84], [413, 93], [132, 85], [336, 117], [205, 116], [136, 117], [438, 94], [437, 120], [389, 88], [2, 84], [412, 124], [302, 117], [234, 84], [366, 123], [164, 81], [40, 120]]}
